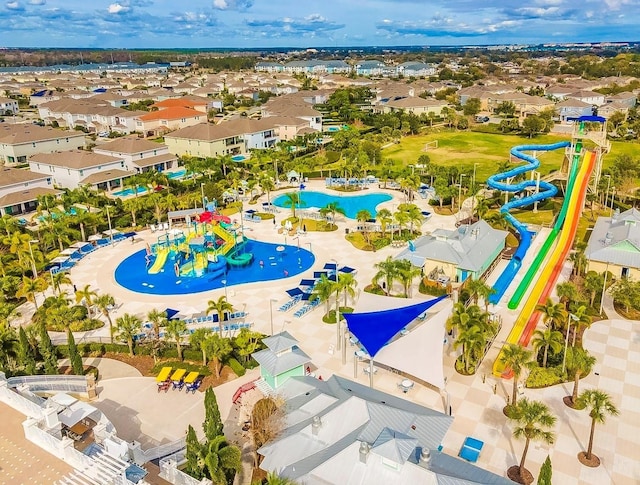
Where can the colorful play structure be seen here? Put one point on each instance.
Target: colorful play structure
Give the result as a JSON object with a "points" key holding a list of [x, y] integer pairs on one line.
{"points": [[562, 234], [206, 248]]}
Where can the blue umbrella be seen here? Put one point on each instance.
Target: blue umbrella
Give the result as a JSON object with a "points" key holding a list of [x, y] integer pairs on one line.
{"points": [[294, 292]]}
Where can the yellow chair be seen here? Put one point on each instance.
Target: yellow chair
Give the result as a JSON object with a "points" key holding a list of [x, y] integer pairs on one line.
{"points": [[164, 374], [178, 374], [191, 377]]}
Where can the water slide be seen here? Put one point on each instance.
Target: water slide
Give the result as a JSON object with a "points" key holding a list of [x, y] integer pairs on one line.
{"points": [[546, 190], [228, 238], [517, 296], [528, 318], [161, 258]]}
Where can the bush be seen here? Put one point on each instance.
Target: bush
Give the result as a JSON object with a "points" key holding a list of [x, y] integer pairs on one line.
{"points": [[541, 377], [375, 289], [431, 289], [94, 371], [93, 349], [236, 367]]}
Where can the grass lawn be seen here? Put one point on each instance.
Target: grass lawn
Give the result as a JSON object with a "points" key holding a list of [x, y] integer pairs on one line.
{"points": [[464, 148]]}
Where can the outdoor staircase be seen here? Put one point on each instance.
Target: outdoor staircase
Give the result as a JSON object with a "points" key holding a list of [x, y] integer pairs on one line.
{"points": [[105, 470], [264, 388]]}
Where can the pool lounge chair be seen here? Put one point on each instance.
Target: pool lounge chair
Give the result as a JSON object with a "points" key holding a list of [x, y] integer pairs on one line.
{"points": [[290, 304], [152, 227]]}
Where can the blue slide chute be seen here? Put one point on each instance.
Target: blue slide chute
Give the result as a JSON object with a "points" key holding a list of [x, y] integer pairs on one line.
{"points": [[498, 182]]}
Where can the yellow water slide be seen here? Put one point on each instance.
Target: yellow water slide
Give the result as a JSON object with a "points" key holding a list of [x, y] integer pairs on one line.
{"points": [[161, 258], [525, 323], [228, 238]]}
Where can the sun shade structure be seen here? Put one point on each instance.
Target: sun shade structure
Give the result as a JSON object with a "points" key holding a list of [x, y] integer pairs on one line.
{"points": [[306, 282], [294, 292], [375, 329], [171, 313]]}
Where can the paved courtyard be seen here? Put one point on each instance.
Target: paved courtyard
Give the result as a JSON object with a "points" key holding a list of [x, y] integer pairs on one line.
{"points": [[476, 407]]}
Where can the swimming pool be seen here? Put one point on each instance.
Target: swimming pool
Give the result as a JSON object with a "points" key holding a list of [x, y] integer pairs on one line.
{"points": [[132, 273], [336, 128], [351, 204], [127, 192], [176, 175], [239, 158]]}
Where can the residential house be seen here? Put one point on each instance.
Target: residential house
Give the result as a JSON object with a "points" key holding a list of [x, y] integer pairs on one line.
{"points": [[18, 142], [626, 98], [139, 155], [573, 108], [20, 189], [92, 115], [370, 68], [526, 105], [415, 69], [339, 432], [156, 123], [591, 97], [292, 108], [269, 67], [614, 245], [481, 93], [8, 106], [415, 105], [458, 254], [192, 102], [75, 168], [607, 109]]}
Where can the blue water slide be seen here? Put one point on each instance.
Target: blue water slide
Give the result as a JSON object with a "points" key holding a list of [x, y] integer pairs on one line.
{"points": [[546, 190]]}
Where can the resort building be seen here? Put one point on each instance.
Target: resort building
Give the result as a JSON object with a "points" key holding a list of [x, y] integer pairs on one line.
{"points": [[281, 360], [455, 255], [156, 123], [139, 155], [614, 245], [18, 142], [8, 106], [341, 432], [76, 168], [415, 105], [20, 189]]}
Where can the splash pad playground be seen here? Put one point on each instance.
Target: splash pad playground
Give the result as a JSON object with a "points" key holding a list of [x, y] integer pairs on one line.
{"points": [[211, 253]]}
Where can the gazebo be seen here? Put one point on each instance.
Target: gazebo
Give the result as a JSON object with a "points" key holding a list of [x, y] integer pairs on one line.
{"points": [[281, 359]]}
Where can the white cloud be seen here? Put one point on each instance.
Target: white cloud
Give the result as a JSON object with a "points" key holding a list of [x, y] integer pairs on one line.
{"points": [[232, 4], [117, 8], [37, 2], [13, 5]]}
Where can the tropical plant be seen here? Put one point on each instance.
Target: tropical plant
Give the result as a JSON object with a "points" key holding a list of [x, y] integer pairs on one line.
{"points": [[600, 405], [58, 279], [292, 199], [388, 271], [29, 288], [323, 290], [581, 319], [274, 479], [331, 209], [221, 306], [593, 283], [547, 339], [553, 314], [246, 343], [347, 284], [567, 292], [546, 471], [192, 454], [26, 352], [9, 347], [126, 328], [105, 303], [532, 421], [86, 296], [406, 273], [472, 341], [212, 424], [74, 356], [218, 348], [221, 460], [47, 351], [198, 340], [479, 289], [158, 319], [579, 363], [384, 217], [516, 358], [175, 329]]}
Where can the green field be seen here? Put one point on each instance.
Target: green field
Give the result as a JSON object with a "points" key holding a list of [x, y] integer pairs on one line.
{"points": [[464, 148]]}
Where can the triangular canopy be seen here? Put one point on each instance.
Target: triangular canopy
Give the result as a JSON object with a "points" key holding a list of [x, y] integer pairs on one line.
{"points": [[375, 329]]}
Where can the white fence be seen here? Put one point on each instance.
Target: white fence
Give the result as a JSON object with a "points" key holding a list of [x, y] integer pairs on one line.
{"points": [[169, 471]]}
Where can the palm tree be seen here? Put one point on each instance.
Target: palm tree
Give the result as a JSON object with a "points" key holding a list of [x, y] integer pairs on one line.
{"points": [[158, 319], [472, 340], [532, 420], [387, 270], [174, 329], [553, 314], [274, 479], [323, 290], [134, 205], [218, 348], [547, 339], [58, 279], [516, 358], [600, 406], [29, 288], [478, 288], [579, 363], [267, 184], [414, 214], [292, 200], [348, 284], [8, 347], [401, 218], [482, 207], [582, 319], [105, 302], [127, 327], [220, 306], [86, 295], [406, 274], [198, 340], [384, 217], [220, 458], [567, 292], [363, 216]]}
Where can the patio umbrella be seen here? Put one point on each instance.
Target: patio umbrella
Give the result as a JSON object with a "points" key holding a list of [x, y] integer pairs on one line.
{"points": [[95, 237], [294, 292], [330, 266], [319, 274], [69, 251], [306, 282], [111, 232], [60, 259], [171, 313], [347, 269]]}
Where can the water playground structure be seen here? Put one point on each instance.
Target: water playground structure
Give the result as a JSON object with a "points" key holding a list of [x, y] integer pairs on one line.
{"points": [[207, 247], [584, 168]]}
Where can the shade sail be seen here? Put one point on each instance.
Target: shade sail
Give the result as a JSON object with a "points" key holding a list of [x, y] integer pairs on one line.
{"points": [[347, 269], [307, 282], [375, 329], [420, 352], [330, 266], [319, 274], [170, 313]]}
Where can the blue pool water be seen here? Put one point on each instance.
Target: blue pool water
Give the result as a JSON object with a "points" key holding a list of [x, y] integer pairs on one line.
{"points": [[132, 273], [126, 192], [176, 175], [239, 158], [351, 204]]}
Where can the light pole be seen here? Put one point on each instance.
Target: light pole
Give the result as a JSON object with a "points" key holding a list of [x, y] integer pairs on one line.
{"points": [[473, 188], [338, 340], [604, 287], [224, 282], [202, 194], [566, 339], [606, 196], [33, 260], [271, 301], [460, 192], [613, 191]]}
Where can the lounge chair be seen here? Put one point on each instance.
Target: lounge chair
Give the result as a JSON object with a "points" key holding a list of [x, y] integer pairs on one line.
{"points": [[290, 304], [152, 227], [165, 226]]}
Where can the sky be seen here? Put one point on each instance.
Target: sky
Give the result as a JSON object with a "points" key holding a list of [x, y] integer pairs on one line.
{"points": [[312, 23]]}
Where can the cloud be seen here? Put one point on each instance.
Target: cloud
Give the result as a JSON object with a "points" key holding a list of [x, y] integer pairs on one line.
{"points": [[286, 27], [442, 26], [37, 2], [116, 8], [14, 6], [232, 4]]}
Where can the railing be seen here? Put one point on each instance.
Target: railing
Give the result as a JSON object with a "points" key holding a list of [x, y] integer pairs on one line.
{"points": [[169, 471], [167, 449], [50, 383]]}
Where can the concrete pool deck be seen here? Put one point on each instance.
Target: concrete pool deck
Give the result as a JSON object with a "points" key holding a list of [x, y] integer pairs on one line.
{"points": [[476, 408]]}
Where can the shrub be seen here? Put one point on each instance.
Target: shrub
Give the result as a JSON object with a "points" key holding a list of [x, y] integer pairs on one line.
{"points": [[94, 371], [541, 377], [431, 289], [236, 367]]}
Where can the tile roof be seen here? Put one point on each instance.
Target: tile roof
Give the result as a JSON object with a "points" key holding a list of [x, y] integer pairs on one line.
{"points": [[75, 159], [130, 145], [12, 176], [27, 195], [106, 176], [28, 133], [172, 113]]}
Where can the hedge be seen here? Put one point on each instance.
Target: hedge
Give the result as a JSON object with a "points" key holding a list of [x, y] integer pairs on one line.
{"points": [[236, 367], [541, 377]]}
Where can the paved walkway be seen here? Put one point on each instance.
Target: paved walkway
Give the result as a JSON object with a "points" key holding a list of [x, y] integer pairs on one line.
{"points": [[107, 368], [476, 408]]}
